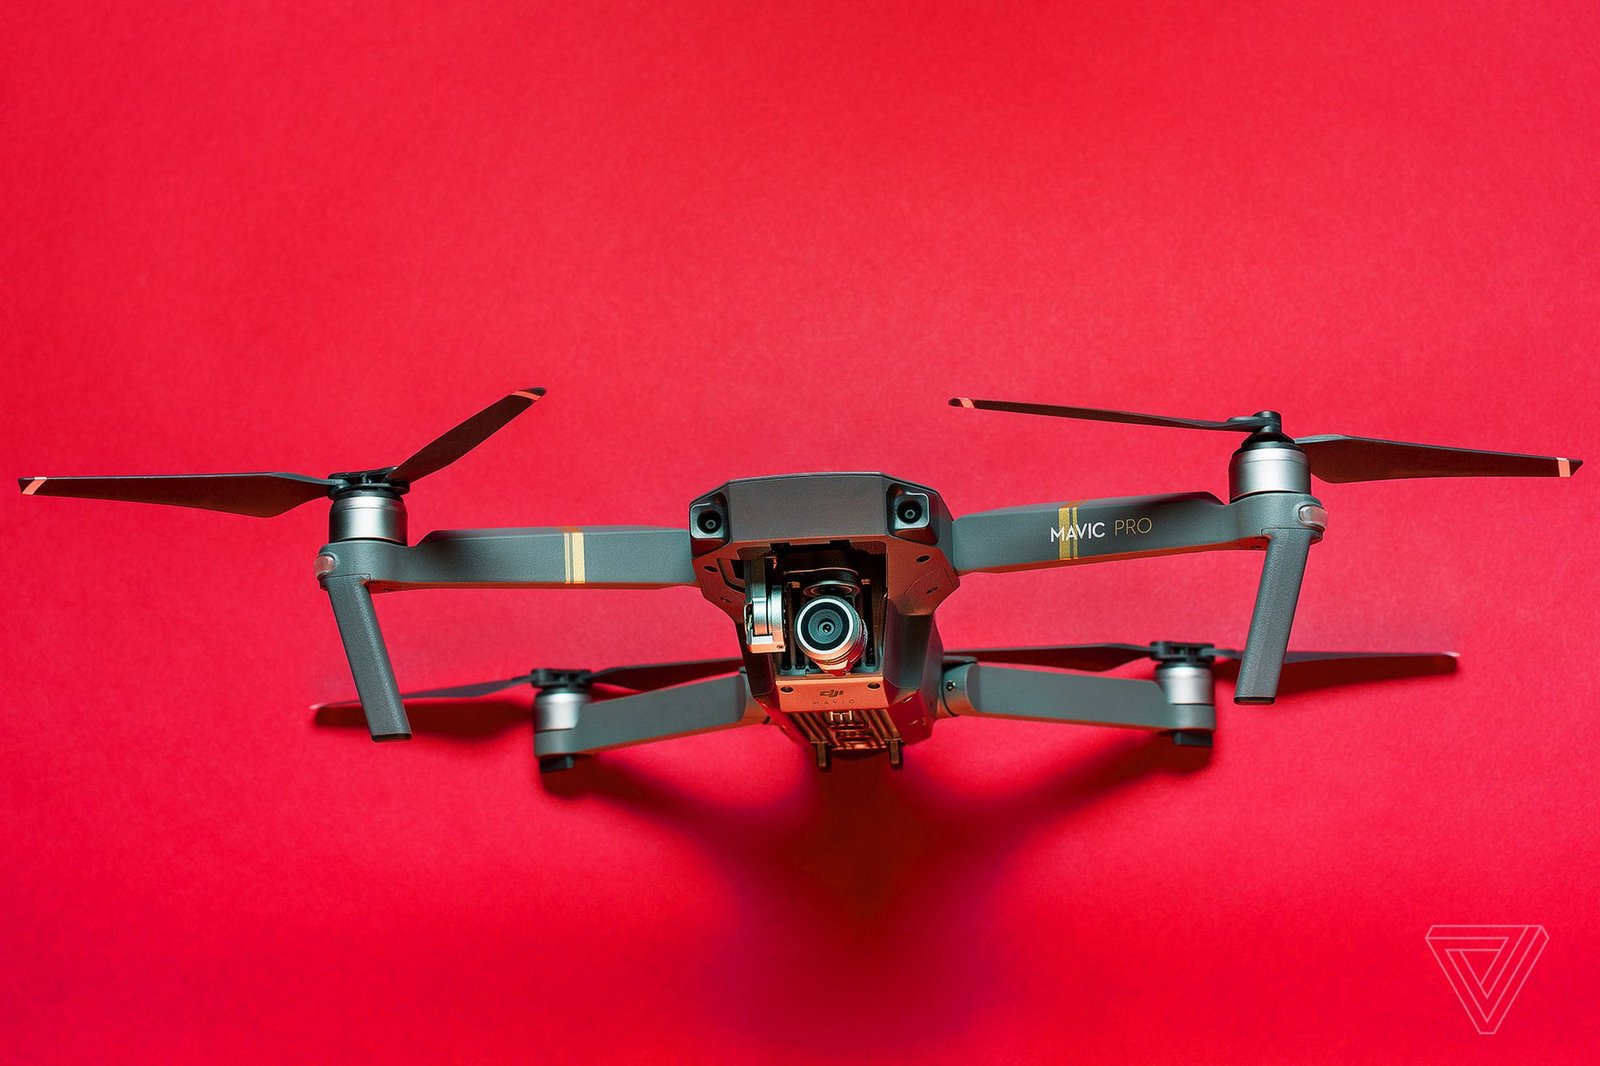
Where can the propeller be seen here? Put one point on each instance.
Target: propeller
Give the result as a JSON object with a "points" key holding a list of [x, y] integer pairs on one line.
{"points": [[1303, 670], [263, 495], [1333, 457], [1091, 657], [636, 678]]}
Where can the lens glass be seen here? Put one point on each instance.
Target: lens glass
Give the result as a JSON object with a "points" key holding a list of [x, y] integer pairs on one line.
{"points": [[825, 626]]}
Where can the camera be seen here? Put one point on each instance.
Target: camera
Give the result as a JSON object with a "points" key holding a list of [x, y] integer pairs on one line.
{"points": [[830, 631]]}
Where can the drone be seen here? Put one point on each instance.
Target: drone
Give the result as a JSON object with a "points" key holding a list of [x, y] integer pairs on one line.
{"points": [[832, 581]]}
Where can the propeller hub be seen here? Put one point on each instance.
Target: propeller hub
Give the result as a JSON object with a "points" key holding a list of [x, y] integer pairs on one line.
{"points": [[546, 679], [355, 480], [1171, 651]]}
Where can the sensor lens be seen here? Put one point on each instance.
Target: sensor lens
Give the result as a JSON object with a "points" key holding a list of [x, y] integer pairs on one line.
{"points": [[831, 634], [826, 627]]}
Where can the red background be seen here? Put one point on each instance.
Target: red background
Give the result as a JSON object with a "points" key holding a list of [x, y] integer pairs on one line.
{"points": [[746, 238]]}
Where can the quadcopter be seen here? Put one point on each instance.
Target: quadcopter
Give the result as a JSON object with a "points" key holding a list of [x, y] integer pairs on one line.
{"points": [[832, 581]]}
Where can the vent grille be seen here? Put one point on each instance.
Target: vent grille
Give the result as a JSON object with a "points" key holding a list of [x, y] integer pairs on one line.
{"points": [[858, 729]]}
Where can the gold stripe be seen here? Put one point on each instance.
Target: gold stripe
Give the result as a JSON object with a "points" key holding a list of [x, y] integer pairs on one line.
{"points": [[1067, 517], [572, 554], [33, 486], [1563, 468], [964, 402], [577, 557], [534, 396]]}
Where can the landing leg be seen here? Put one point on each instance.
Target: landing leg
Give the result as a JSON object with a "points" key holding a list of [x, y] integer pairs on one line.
{"points": [[824, 757], [897, 756], [1192, 738]]}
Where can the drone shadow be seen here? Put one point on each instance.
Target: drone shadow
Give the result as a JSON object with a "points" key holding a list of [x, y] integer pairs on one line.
{"points": [[866, 893], [866, 888], [860, 890]]}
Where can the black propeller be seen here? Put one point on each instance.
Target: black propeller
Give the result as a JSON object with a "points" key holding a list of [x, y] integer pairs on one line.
{"points": [[635, 678], [1303, 670], [1333, 457], [1091, 657], [262, 495]]}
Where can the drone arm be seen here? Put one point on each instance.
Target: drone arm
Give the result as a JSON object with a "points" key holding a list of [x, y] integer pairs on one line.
{"points": [[1041, 695], [1279, 591], [1083, 531], [597, 557], [617, 557], [702, 707], [1285, 523], [369, 659]]}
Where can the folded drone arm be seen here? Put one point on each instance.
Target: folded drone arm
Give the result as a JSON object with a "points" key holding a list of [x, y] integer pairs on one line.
{"points": [[1288, 549], [1086, 531], [701, 707], [1286, 524], [617, 557], [1041, 695], [369, 657]]}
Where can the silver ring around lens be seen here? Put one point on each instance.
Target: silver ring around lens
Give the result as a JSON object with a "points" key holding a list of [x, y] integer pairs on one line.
{"points": [[840, 657]]}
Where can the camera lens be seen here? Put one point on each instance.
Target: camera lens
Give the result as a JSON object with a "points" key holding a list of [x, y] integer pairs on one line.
{"points": [[830, 632], [826, 627], [910, 510], [710, 521]]}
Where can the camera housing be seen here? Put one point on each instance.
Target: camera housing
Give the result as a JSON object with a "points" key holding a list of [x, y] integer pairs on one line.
{"points": [[832, 581]]}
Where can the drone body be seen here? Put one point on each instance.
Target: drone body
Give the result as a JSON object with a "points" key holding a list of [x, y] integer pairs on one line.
{"points": [[832, 581]]}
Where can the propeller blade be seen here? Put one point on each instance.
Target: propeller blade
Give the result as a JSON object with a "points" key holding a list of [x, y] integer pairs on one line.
{"points": [[1333, 457], [1092, 657], [257, 495], [1095, 414], [467, 692], [1304, 671], [446, 449], [263, 495], [638, 678], [465, 720], [1446, 660], [1338, 458], [664, 675], [452, 692]]}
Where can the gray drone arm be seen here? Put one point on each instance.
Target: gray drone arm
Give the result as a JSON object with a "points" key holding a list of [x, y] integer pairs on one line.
{"points": [[1127, 527], [1042, 695], [1286, 524], [576, 726], [617, 557]]}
